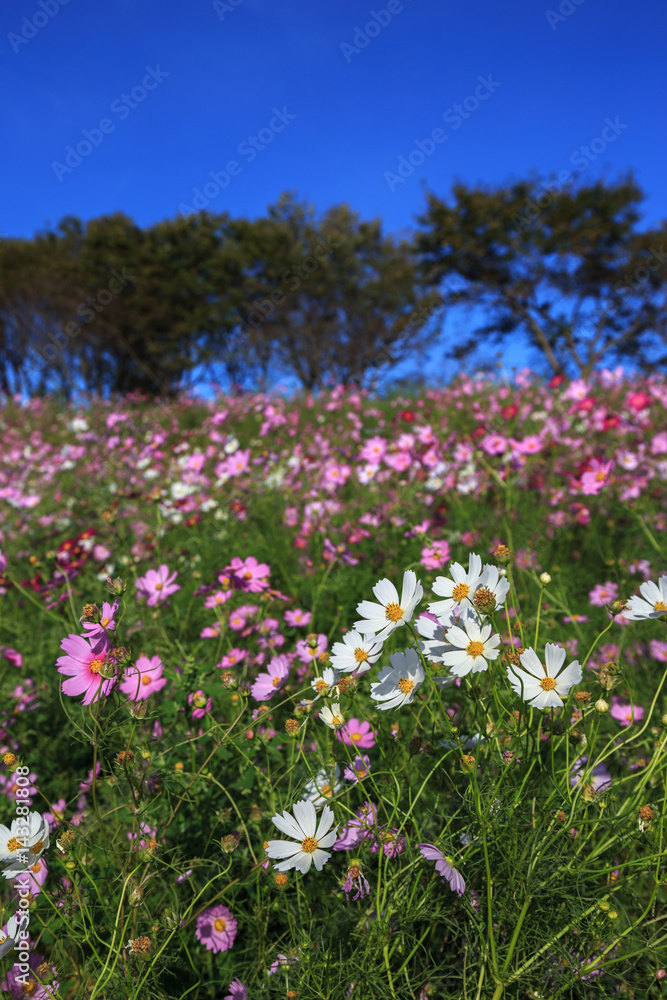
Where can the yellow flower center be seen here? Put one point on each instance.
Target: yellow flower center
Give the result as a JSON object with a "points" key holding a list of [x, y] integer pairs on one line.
{"points": [[145, 679], [327, 791], [275, 681], [321, 686], [29, 987], [37, 847], [159, 586], [355, 737], [548, 683], [405, 685], [361, 772], [460, 591], [219, 925], [600, 476], [309, 845], [94, 666], [360, 655], [338, 720], [475, 648], [393, 611], [105, 622], [660, 606], [13, 844]]}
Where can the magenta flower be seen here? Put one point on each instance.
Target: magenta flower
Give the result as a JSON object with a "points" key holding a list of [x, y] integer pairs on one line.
{"points": [[443, 867], [356, 882], [436, 556], [237, 991], [216, 929], [157, 585], [106, 622], [622, 711], [391, 842], [306, 654], [658, 649], [273, 680], [603, 593], [298, 617], [82, 663], [357, 829], [359, 769], [248, 575], [202, 704], [232, 658], [357, 733], [143, 679], [13, 656]]}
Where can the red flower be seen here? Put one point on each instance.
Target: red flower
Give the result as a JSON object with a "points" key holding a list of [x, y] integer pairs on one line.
{"points": [[556, 381], [407, 415]]}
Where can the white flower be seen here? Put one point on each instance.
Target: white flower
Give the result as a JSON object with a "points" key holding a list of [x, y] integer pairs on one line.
{"points": [[390, 613], [325, 786], [14, 924], [654, 603], [474, 647], [436, 635], [544, 686], [356, 652], [332, 717], [310, 841], [491, 584], [458, 592], [397, 685], [23, 843], [326, 683]]}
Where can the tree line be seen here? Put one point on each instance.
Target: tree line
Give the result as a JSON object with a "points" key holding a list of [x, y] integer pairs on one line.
{"points": [[107, 306]]}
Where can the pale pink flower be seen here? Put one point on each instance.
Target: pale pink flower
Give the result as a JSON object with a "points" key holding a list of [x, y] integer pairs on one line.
{"points": [[157, 585]]}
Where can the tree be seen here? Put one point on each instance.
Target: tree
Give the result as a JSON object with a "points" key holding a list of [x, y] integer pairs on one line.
{"points": [[329, 299], [566, 268]]}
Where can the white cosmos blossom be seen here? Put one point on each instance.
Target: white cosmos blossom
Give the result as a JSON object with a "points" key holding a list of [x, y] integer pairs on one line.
{"points": [[492, 584], [383, 618], [356, 652], [474, 646], [311, 838], [544, 686], [397, 685], [325, 683], [332, 717], [23, 843], [652, 603], [459, 590], [17, 922], [324, 787]]}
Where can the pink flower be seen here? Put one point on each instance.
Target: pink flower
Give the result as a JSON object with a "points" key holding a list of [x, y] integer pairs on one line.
{"points": [[233, 658], [359, 769], [437, 556], [658, 649], [391, 842], [216, 929], [218, 598], [13, 656], [622, 711], [201, 702], [237, 991], [106, 622], [305, 653], [494, 444], [144, 679], [443, 867], [267, 684], [157, 585], [593, 481], [357, 733], [236, 621], [248, 575], [82, 663], [298, 617], [603, 593], [357, 829]]}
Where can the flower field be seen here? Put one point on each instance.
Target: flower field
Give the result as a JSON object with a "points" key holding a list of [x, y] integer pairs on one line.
{"points": [[336, 696]]}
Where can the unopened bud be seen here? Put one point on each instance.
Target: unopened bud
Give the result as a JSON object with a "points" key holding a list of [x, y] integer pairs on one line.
{"points": [[136, 896], [589, 793], [664, 720], [170, 918], [617, 606], [116, 586], [229, 842], [70, 866], [108, 669], [137, 709], [601, 706], [660, 974], [311, 639], [604, 906], [545, 578], [229, 680], [613, 915]]}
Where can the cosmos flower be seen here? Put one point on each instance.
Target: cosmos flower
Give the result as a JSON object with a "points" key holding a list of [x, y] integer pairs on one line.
{"points": [[459, 590], [310, 838], [357, 733], [332, 717], [267, 684], [474, 645], [324, 786], [544, 686], [83, 663], [157, 585], [652, 603], [356, 652], [144, 679], [443, 867], [384, 618], [398, 684], [216, 928]]}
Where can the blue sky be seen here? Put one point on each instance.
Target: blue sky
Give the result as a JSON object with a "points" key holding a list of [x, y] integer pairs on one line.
{"points": [[332, 105]]}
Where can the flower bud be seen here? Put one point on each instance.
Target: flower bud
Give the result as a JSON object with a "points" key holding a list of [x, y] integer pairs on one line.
{"points": [[589, 793], [229, 842], [45, 973], [601, 706], [545, 579], [136, 896], [617, 606], [199, 699], [661, 974], [171, 918], [256, 814], [70, 866], [229, 680], [116, 586], [664, 720], [108, 669], [137, 709], [613, 915], [311, 639], [604, 906]]}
